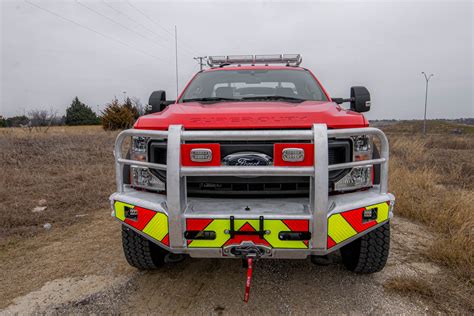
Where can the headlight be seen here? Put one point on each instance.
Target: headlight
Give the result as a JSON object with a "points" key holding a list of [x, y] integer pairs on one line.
{"points": [[139, 148], [362, 146], [141, 177], [357, 178]]}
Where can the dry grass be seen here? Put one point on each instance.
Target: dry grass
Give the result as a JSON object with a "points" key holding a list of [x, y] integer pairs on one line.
{"points": [[433, 290], [433, 180], [410, 286], [70, 167]]}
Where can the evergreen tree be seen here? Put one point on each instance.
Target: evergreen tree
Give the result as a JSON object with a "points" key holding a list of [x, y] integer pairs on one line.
{"points": [[80, 114], [132, 108], [117, 116], [3, 121]]}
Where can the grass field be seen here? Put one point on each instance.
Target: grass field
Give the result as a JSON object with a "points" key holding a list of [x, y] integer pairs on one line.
{"points": [[71, 168]]}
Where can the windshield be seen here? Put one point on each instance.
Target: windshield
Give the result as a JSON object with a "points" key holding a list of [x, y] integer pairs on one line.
{"points": [[242, 85]]}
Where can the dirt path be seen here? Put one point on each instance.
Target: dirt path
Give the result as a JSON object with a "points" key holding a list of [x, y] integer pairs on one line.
{"points": [[81, 269]]}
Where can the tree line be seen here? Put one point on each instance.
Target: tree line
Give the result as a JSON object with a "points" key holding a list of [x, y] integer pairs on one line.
{"points": [[116, 115]]}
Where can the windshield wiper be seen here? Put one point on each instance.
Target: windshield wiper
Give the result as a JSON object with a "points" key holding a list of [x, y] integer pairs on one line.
{"points": [[210, 99], [276, 98]]}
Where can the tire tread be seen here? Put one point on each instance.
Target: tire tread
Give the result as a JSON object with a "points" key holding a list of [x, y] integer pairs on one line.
{"points": [[140, 252], [369, 253]]}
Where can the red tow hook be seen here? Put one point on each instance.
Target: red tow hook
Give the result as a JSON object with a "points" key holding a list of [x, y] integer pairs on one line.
{"points": [[249, 279]]}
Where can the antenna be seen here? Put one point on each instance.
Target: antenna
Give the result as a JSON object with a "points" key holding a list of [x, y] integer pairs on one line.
{"points": [[176, 51]]}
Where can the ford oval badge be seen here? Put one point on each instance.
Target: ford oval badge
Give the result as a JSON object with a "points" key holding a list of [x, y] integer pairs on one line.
{"points": [[247, 159]]}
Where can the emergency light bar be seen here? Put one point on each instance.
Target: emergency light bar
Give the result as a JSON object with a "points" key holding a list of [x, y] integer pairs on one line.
{"points": [[288, 59]]}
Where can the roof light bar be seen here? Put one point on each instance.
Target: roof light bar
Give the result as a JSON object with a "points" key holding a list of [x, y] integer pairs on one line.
{"points": [[288, 59]]}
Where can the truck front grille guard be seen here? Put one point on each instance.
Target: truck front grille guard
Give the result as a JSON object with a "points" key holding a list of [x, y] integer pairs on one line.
{"points": [[318, 173]]}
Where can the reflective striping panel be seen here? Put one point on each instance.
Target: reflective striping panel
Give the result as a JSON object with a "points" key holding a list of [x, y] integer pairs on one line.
{"points": [[277, 226], [344, 225], [149, 222], [273, 226], [339, 229], [383, 210], [120, 209], [218, 226], [157, 227]]}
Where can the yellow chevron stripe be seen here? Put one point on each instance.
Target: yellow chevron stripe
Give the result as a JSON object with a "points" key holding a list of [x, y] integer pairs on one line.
{"points": [[339, 229], [157, 227], [382, 211], [120, 209], [218, 226], [275, 227]]}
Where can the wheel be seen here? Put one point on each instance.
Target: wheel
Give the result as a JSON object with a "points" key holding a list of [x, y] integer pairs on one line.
{"points": [[369, 253], [140, 252]]}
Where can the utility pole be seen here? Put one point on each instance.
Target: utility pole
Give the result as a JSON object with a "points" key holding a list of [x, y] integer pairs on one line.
{"points": [[124, 96], [176, 56], [427, 78], [200, 60]]}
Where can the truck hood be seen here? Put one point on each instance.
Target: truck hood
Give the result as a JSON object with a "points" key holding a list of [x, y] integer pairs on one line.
{"points": [[252, 115]]}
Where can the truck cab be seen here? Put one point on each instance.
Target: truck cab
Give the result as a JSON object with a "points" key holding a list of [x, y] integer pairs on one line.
{"points": [[254, 159]]}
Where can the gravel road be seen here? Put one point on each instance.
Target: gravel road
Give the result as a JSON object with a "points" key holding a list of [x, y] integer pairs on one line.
{"points": [[81, 269]]}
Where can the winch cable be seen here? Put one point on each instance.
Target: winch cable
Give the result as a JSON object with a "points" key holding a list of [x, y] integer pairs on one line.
{"points": [[249, 279]]}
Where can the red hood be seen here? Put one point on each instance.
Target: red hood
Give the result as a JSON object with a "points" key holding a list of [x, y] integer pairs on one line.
{"points": [[252, 115]]}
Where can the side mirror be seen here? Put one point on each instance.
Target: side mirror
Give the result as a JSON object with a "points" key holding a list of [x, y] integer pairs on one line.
{"points": [[157, 101], [360, 99]]}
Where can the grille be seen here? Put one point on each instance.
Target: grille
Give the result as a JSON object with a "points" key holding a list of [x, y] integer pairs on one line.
{"points": [[339, 152]]}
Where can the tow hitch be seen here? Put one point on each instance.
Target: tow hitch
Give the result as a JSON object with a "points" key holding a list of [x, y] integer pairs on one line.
{"points": [[249, 279], [249, 254]]}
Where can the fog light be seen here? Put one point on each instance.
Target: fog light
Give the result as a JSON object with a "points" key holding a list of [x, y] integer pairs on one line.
{"points": [[201, 155], [369, 214], [131, 213], [293, 154]]}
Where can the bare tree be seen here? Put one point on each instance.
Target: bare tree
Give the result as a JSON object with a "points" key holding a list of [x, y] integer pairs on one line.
{"points": [[138, 105], [42, 120]]}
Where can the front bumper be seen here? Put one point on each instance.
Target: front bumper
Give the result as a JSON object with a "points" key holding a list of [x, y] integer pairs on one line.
{"points": [[344, 222], [280, 227]]}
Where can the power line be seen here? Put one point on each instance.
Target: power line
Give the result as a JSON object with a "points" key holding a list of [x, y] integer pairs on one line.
{"points": [[115, 22], [94, 31], [143, 26], [154, 22]]}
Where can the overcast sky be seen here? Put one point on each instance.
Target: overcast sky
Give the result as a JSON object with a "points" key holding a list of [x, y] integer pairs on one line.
{"points": [[47, 60]]}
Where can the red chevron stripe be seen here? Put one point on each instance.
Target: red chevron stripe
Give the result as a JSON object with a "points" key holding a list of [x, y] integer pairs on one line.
{"points": [[297, 225], [143, 218], [197, 224], [238, 239], [354, 218], [331, 243], [166, 240]]}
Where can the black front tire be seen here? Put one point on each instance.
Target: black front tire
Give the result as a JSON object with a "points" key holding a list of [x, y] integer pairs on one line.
{"points": [[140, 252], [369, 253]]}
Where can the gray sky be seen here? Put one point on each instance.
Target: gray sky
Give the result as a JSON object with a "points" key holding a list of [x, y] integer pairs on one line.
{"points": [[46, 60]]}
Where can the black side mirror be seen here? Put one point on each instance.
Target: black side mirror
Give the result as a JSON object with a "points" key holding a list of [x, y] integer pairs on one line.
{"points": [[157, 101], [360, 99]]}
